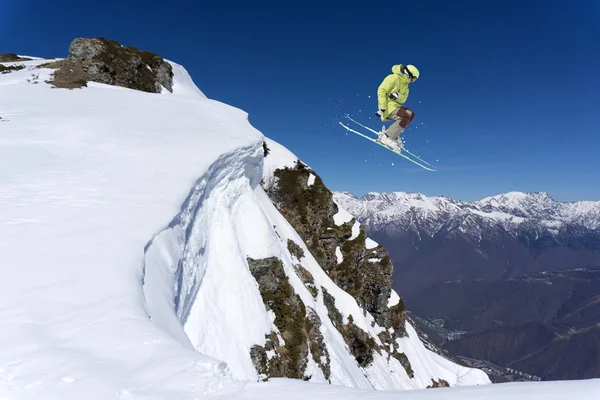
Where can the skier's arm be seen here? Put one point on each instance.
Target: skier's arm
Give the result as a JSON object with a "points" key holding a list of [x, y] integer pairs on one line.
{"points": [[384, 90], [402, 95]]}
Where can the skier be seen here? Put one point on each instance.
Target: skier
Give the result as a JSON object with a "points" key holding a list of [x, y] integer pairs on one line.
{"points": [[391, 96]]}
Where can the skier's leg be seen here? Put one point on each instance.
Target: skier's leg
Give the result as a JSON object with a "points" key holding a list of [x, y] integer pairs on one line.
{"points": [[403, 117]]}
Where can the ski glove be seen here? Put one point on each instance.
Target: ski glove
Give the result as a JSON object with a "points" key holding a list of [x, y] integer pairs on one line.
{"points": [[393, 96], [380, 112]]}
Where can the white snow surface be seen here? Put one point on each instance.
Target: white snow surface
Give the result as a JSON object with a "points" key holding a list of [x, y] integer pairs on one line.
{"points": [[355, 230], [394, 299], [338, 255], [88, 178], [279, 157], [342, 217], [298, 390], [126, 219], [370, 244]]}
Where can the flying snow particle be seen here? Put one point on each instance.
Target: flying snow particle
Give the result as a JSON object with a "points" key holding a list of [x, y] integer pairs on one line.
{"points": [[392, 164]]}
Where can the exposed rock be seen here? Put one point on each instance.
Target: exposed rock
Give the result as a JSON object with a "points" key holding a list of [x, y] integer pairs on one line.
{"points": [[310, 210], [366, 274], [360, 344], [10, 57], [268, 272], [295, 249], [370, 283], [106, 61], [298, 330], [164, 72], [85, 49], [68, 74], [307, 278], [401, 357], [334, 314], [318, 348], [398, 318], [304, 275], [258, 354], [7, 70], [438, 384]]}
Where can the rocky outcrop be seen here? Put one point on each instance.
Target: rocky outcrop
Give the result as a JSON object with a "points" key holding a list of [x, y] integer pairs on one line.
{"points": [[438, 384], [309, 209], [403, 359], [361, 345], [8, 69], [296, 325], [107, 61], [366, 274], [316, 341], [10, 57]]}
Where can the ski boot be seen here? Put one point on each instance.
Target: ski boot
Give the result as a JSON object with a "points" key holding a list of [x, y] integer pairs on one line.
{"points": [[395, 145]]}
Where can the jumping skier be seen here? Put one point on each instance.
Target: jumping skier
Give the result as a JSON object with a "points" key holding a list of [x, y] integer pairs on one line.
{"points": [[391, 96]]}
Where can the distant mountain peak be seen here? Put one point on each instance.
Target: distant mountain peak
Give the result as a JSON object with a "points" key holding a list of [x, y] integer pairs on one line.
{"points": [[516, 197], [512, 211]]}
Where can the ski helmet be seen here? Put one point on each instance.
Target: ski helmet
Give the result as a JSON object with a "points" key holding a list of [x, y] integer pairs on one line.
{"points": [[412, 72]]}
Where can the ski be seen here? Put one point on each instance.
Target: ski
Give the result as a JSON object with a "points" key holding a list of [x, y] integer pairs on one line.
{"points": [[385, 147], [377, 133]]}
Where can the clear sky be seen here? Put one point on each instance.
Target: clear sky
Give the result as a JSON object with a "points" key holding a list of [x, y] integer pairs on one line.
{"points": [[508, 97]]}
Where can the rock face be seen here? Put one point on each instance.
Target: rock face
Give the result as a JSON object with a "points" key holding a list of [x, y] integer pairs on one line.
{"points": [[364, 273], [106, 61], [11, 57], [438, 384], [298, 326]]}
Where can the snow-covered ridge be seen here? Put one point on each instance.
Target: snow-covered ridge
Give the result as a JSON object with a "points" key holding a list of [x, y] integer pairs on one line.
{"points": [[87, 178], [510, 211]]}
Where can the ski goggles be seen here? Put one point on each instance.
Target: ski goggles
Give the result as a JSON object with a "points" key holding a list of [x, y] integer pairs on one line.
{"points": [[410, 75]]}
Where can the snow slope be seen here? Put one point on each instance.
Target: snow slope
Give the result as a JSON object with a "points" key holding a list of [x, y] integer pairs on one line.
{"points": [[296, 390], [125, 222], [87, 179]]}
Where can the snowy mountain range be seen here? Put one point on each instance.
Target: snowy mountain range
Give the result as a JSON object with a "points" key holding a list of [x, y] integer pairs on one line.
{"points": [[507, 275], [512, 212], [502, 235]]}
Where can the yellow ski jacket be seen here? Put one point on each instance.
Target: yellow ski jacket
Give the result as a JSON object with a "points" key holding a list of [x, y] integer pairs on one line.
{"points": [[394, 82]]}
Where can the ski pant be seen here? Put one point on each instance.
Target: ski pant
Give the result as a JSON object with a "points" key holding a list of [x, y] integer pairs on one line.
{"points": [[402, 117]]}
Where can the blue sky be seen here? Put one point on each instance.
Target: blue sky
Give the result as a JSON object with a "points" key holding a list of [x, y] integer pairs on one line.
{"points": [[507, 99]]}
